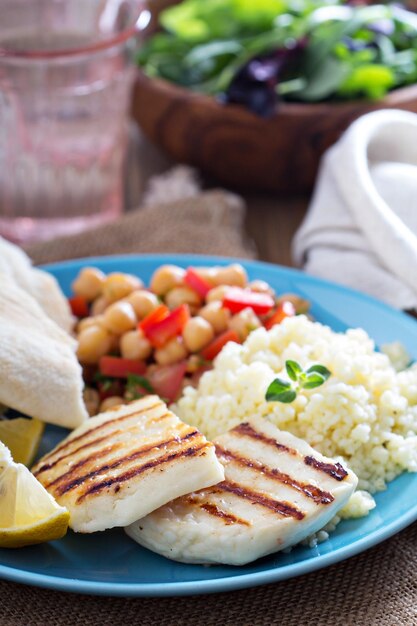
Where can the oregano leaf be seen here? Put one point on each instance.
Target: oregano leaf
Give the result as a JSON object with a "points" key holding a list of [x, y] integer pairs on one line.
{"points": [[277, 388], [293, 369], [286, 396], [320, 369]]}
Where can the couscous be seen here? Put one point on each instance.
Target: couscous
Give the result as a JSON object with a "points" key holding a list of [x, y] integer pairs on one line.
{"points": [[365, 414]]}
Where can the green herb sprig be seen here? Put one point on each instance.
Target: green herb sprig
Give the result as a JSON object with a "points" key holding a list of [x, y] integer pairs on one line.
{"points": [[106, 382], [285, 391], [137, 387]]}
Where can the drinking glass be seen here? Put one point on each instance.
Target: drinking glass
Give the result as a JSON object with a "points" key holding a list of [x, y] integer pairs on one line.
{"points": [[66, 73]]}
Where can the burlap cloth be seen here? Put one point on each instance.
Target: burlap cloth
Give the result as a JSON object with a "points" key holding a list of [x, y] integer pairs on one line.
{"points": [[378, 587]]}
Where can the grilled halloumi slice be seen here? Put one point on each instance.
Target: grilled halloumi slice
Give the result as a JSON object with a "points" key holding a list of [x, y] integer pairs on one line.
{"points": [[277, 491], [125, 463]]}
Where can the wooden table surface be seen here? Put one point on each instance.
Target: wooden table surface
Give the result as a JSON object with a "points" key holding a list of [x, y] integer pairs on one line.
{"points": [[271, 220]]}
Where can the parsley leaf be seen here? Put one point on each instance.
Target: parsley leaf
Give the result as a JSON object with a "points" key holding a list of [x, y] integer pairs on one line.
{"points": [[136, 380], [106, 382]]}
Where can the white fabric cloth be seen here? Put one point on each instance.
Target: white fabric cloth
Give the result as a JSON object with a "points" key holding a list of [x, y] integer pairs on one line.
{"points": [[361, 227]]}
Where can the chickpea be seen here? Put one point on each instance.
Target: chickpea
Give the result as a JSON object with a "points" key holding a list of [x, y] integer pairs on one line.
{"points": [[89, 283], [194, 362], [166, 278], [143, 302], [89, 321], [231, 275], [114, 343], [119, 317], [197, 333], [110, 403], [93, 343], [134, 345], [244, 322], [91, 400], [300, 304], [261, 286], [117, 286], [99, 305], [183, 295], [216, 315], [217, 293], [173, 351], [207, 273]]}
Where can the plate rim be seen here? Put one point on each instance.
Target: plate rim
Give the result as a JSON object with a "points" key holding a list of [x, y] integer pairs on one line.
{"points": [[170, 257], [225, 583], [219, 585]]}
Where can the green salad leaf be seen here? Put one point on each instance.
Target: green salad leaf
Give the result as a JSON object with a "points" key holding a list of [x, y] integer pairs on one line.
{"points": [[344, 51]]}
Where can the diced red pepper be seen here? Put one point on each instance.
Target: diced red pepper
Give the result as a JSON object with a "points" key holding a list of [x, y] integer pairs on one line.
{"points": [[168, 327], [117, 367], [167, 379], [153, 317], [285, 309], [236, 299], [79, 306], [193, 279], [214, 347]]}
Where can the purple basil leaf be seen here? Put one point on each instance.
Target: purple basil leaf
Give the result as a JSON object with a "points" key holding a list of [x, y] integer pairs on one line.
{"points": [[254, 85]]}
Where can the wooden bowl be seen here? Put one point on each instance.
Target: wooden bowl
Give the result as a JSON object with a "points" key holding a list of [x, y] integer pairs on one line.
{"points": [[241, 150]]}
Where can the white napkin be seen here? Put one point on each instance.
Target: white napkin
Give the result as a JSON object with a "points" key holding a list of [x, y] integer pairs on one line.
{"points": [[361, 227]]}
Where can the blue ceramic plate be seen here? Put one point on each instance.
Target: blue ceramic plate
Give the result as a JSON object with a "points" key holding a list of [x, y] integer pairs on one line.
{"points": [[110, 563]]}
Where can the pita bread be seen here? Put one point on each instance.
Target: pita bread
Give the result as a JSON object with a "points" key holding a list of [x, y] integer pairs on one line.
{"points": [[41, 285], [39, 371]]}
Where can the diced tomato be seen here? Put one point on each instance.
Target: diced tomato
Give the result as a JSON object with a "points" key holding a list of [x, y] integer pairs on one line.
{"points": [[120, 368], [153, 317], [213, 348], [285, 309], [236, 299], [168, 327], [167, 379], [79, 306], [193, 279]]}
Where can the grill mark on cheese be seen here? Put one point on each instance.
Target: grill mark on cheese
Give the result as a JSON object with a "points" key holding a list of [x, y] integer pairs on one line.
{"points": [[137, 470], [334, 470], [213, 509], [311, 491], [89, 444], [281, 507], [247, 430], [78, 466], [48, 466], [124, 460], [122, 418]]}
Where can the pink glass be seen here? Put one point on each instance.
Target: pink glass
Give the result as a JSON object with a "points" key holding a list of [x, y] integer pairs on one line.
{"points": [[66, 72]]}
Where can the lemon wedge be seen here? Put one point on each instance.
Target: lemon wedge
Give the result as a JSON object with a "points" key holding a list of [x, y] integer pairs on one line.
{"points": [[28, 513], [22, 436]]}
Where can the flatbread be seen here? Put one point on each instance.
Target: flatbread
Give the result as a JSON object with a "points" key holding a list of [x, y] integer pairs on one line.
{"points": [[39, 284], [39, 371]]}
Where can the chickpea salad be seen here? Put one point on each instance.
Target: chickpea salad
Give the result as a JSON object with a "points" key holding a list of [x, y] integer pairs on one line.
{"points": [[135, 339]]}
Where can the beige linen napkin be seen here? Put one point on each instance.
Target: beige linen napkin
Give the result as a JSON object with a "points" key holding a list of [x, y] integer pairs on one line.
{"points": [[204, 223], [361, 227]]}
